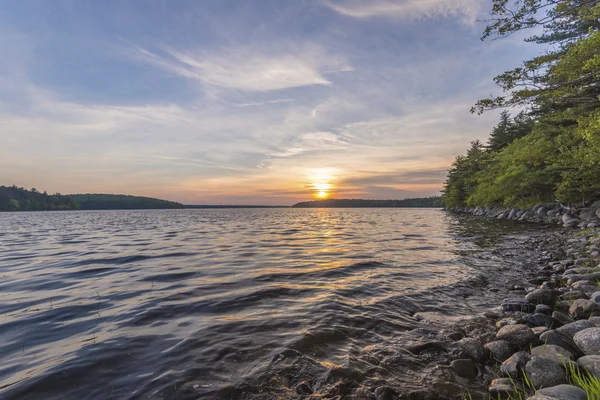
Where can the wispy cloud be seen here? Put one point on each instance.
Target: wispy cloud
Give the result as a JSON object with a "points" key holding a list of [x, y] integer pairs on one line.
{"points": [[248, 70], [467, 10]]}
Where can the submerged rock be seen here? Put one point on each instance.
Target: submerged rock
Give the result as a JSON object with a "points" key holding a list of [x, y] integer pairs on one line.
{"points": [[465, 368], [500, 350]]}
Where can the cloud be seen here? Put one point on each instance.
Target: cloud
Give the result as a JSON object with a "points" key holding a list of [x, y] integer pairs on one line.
{"points": [[433, 176], [467, 10], [247, 69]]}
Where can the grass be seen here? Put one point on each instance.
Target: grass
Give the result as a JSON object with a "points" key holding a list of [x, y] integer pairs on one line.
{"points": [[585, 380]]}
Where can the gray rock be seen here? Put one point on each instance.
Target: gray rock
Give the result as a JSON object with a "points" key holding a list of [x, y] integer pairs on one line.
{"points": [[563, 392], [474, 349], [595, 320], [553, 212], [385, 393], [513, 366], [592, 277], [595, 297], [538, 330], [561, 340], [571, 329], [591, 364], [464, 368], [501, 388], [541, 397], [534, 320], [574, 295], [519, 335], [588, 340], [543, 309], [304, 388], [552, 352], [582, 308], [500, 350], [542, 296], [585, 286], [513, 213], [543, 373], [517, 304], [562, 317]]}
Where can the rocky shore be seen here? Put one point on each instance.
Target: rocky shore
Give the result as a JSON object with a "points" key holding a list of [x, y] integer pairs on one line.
{"points": [[546, 341]]}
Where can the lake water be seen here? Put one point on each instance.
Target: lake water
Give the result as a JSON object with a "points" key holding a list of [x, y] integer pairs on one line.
{"points": [[238, 303]]}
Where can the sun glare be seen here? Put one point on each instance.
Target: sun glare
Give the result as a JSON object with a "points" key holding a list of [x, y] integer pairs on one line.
{"points": [[322, 194], [321, 183]]}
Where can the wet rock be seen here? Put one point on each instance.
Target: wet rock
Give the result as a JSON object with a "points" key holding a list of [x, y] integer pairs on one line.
{"points": [[534, 320], [561, 340], [543, 309], [492, 314], [588, 340], [571, 329], [513, 367], [304, 388], [562, 317], [543, 373], [591, 364], [582, 308], [507, 321], [385, 393], [574, 295], [517, 304], [563, 392], [474, 349], [464, 368], [552, 352], [519, 335], [542, 296], [455, 336], [500, 350]]}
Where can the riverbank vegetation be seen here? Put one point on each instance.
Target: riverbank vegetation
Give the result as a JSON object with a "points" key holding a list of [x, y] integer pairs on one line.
{"points": [[13, 198], [550, 150], [434, 201]]}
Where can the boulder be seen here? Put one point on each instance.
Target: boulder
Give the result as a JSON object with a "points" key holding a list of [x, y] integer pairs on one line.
{"points": [[552, 352], [563, 392], [595, 297], [500, 350], [588, 340], [562, 318], [561, 340], [571, 329], [582, 308], [574, 295], [464, 368], [474, 349], [513, 367], [591, 364], [518, 335], [543, 373], [542, 296], [543, 309]]}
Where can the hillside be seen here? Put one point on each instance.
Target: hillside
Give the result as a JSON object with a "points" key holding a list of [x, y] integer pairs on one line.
{"points": [[13, 198], [120, 202], [434, 201]]}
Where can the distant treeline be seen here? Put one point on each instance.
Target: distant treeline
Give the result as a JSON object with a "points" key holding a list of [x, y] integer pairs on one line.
{"points": [[13, 198], [120, 202], [434, 201], [227, 206]]}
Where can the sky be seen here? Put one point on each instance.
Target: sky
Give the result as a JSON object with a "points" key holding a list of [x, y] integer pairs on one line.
{"points": [[243, 102]]}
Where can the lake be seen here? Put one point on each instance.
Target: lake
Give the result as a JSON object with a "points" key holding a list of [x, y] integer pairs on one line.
{"points": [[234, 303]]}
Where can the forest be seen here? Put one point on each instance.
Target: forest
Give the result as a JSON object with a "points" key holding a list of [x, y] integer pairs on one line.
{"points": [[13, 198], [549, 151], [435, 201]]}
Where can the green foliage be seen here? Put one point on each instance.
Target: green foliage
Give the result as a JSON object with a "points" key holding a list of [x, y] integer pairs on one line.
{"points": [[434, 201], [13, 198], [551, 151], [120, 202]]}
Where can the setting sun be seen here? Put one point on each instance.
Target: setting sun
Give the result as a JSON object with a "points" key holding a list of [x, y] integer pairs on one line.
{"points": [[322, 194]]}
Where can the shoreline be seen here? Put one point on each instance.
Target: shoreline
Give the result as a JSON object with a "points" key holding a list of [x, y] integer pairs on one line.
{"points": [[547, 337]]}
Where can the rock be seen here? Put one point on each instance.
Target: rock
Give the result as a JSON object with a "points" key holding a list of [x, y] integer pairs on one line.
{"points": [[543, 309], [552, 352], [513, 367], [574, 295], [464, 368], [561, 340], [585, 286], [455, 336], [500, 350], [563, 392], [519, 335], [540, 397], [534, 320], [562, 318], [595, 320], [588, 340], [553, 212], [538, 330], [542, 296], [543, 373], [562, 305], [492, 314], [571, 329], [582, 308], [304, 388], [474, 349], [385, 393], [513, 213], [592, 277], [517, 304], [591, 364], [501, 388], [595, 297]]}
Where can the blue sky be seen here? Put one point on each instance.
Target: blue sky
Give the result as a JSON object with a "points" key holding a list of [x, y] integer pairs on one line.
{"points": [[243, 102]]}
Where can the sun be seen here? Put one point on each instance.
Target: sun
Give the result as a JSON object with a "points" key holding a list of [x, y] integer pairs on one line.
{"points": [[322, 194], [321, 182]]}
